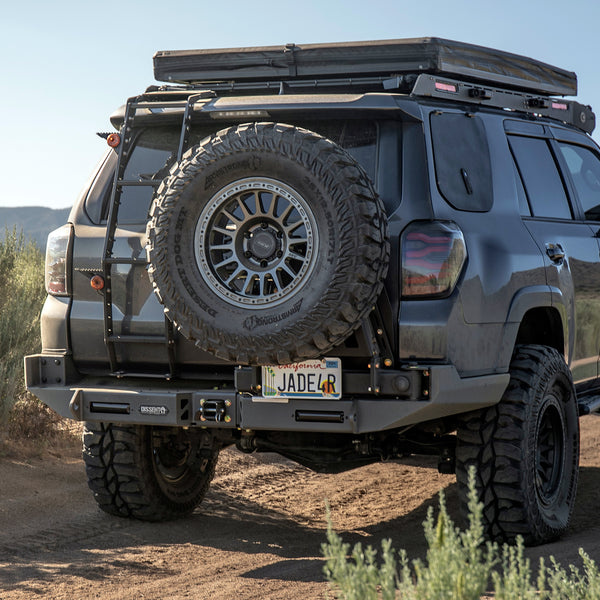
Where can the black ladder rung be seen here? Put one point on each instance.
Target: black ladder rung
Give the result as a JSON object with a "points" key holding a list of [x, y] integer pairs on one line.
{"points": [[122, 260], [142, 375], [164, 104], [142, 339], [138, 183]]}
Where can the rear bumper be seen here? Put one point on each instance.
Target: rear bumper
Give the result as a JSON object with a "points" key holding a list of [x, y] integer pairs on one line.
{"points": [[190, 404]]}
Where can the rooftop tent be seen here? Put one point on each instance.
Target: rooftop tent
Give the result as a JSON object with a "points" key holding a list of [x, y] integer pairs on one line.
{"points": [[383, 58]]}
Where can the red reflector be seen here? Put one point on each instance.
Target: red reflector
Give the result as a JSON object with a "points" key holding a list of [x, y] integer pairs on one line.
{"points": [[559, 106], [445, 87], [113, 140], [97, 282]]}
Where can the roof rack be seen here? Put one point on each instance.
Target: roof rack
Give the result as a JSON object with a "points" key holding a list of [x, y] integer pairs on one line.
{"points": [[426, 86], [565, 111], [385, 58]]}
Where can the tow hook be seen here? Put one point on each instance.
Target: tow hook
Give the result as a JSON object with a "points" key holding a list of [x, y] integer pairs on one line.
{"points": [[213, 410]]}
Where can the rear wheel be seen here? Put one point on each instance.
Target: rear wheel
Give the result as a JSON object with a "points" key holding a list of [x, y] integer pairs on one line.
{"points": [[525, 450], [145, 472]]}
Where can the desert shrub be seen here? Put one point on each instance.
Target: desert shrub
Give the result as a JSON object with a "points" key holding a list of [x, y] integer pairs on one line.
{"points": [[21, 298], [459, 565], [31, 419]]}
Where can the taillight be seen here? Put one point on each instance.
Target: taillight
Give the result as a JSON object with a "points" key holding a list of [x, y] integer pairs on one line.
{"points": [[57, 261], [433, 256]]}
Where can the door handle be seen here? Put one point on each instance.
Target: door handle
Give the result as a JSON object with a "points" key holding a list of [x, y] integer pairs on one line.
{"points": [[555, 252]]}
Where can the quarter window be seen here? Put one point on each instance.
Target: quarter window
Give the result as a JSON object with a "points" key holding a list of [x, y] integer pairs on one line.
{"points": [[462, 161]]}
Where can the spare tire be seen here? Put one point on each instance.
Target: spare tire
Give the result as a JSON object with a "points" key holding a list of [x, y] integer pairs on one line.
{"points": [[267, 244]]}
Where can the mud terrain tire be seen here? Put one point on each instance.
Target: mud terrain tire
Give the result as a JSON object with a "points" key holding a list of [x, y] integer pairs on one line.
{"points": [[149, 473], [525, 450], [267, 244]]}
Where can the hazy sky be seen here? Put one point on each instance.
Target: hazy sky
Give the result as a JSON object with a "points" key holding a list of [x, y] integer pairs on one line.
{"points": [[66, 65]]}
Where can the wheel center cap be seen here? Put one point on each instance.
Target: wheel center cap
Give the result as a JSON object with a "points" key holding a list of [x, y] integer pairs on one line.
{"points": [[262, 244]]}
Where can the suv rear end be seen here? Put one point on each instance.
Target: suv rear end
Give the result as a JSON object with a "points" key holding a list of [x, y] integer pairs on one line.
{"points": [[370, 323]]}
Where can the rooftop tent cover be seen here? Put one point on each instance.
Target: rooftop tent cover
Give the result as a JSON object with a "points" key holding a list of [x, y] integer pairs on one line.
{"points": [[371, 58]]}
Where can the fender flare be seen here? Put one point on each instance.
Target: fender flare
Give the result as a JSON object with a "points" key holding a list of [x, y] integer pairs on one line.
{"points": [[526, 299]]}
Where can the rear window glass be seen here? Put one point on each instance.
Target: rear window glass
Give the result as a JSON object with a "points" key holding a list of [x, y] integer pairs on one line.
{"points": [[358, 138], [155, 151], [462, 161]]}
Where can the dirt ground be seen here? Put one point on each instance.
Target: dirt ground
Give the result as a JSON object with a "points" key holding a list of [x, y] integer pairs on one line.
{"points": [[257, 534]]}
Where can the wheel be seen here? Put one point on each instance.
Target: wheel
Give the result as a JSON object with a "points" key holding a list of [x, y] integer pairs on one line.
{"points": [[267, 244], [525, 450], [149, 473]]}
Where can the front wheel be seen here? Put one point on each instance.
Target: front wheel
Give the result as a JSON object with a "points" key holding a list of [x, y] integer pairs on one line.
{"points": [[146, 472], [525, 450]]}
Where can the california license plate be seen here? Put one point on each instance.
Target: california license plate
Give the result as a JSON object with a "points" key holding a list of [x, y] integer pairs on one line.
{"points": [[308, 379]]}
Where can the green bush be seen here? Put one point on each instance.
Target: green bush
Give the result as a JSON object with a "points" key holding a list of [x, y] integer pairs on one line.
{"points": [[459, 565], [21, 299]]}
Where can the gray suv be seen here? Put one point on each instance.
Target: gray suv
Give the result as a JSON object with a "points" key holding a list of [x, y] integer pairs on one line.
{"points": [[342, 253]]}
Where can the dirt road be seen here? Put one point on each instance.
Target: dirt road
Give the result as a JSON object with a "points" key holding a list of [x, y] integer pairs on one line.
{"points": [[256, 536]]}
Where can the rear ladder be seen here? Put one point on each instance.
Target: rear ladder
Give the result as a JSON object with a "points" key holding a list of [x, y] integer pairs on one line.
{"points": [[111, 339]]}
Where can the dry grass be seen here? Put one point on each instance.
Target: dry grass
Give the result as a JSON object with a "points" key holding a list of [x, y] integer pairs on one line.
{"points": [[33, 429]]}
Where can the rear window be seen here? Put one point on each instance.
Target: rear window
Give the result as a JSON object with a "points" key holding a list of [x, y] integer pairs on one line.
{"points": [[358, 138], [155, 151]]}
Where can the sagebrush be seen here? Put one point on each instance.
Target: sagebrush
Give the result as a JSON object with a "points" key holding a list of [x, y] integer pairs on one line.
{"points": [[459, 565], [21, 298]]}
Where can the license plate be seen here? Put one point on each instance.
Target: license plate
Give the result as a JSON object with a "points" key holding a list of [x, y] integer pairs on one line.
{"points": [[308, 379]]}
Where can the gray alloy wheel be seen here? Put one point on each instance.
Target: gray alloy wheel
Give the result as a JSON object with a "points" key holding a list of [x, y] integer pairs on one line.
{"points": [[255, 242]]}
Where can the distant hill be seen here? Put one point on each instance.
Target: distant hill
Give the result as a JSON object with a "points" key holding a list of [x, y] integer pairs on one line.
{"points": [[36, 222]]}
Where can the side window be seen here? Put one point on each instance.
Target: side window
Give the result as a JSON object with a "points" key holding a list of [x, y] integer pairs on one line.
{"points": [[540, 176], [462, 161], [97, 195], [584, 167]]}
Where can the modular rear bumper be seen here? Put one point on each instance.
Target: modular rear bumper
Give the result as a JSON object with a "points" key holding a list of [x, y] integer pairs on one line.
{"points": [[434, 392]]}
